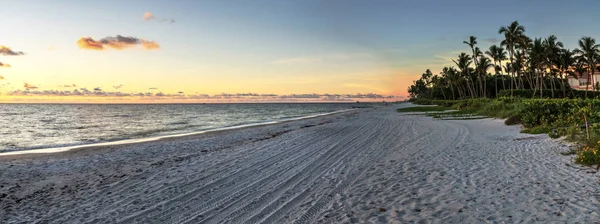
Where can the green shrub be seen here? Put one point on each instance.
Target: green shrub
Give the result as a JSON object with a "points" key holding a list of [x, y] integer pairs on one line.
{"points": [[537, 130], [588, 156], [512, 120]]}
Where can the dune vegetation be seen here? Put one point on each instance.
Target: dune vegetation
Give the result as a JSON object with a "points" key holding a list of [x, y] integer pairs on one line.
{"points": [[524, 81]]}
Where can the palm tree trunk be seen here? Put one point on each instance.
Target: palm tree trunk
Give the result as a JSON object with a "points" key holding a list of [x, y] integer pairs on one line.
{"points": [[496, 81], [562, 85], [484, 85], [443, 94], [511, 52], [587, 85], [552, 84], [502, 76], [452, 90], [536, 84], [543, 83]]}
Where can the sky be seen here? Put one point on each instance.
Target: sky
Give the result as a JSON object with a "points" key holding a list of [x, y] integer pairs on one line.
{"points": [[277, 50]]}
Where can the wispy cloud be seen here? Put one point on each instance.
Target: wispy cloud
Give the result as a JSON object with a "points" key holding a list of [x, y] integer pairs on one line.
{"points": [[68, 86], [4, 65], [118, 86], [1, 77], [28, 86], [321, 58], [149, 16], [117, 42], [252, 97], [7, 51]]}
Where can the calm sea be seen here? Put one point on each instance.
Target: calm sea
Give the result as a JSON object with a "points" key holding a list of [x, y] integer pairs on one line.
{"points": [[35, 126]]}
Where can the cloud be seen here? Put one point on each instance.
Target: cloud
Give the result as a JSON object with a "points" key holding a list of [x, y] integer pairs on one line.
{"points": [[68, 86], [28, 86], [4, 65], [118, 86], [9, 52], [152, 88], [117, 42], [1, 77], [149, 16], [150, 45], [98, 89]]}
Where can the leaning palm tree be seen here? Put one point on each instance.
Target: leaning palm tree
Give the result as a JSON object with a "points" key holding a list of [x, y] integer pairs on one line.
{"points": [[463, 62], [454, 79], [588, 52], [511, 34]]}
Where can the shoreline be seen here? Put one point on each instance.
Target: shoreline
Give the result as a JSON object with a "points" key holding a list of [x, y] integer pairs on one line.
{"points": [[373, 165], [54, 150]]}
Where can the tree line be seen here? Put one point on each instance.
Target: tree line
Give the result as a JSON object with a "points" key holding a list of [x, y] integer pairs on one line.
{"points": [[519, 63]]}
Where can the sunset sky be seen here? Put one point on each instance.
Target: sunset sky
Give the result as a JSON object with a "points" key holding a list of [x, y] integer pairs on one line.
{"points": [[121, 50]]}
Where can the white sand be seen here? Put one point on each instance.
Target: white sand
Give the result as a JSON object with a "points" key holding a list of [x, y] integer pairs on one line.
{"points": [[369, 165]]}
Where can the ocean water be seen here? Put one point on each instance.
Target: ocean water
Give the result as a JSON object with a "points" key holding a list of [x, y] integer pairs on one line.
{"points": [[37, 126]]}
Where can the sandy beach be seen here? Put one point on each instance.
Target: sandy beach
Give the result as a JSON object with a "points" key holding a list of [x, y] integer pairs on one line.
{"points": [[370, 165]]}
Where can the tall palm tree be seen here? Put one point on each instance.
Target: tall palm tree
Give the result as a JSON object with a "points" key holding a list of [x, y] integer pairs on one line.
{"points": [[480, 74], [497, 54], [463, 62], [565, 61], [472, 42], [523, 45], [511, 34], [588, 52], [484, 65], [536, 62], [552, 47]]}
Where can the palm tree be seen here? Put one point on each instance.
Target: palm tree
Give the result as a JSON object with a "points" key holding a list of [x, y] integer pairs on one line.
{"points": [[552, 48], [472, 42], [497, 54], [523, 44], [484, 65], [565, 60], [511, 34], [453, 78], [588, 52], [536, 61], [463, 62]]}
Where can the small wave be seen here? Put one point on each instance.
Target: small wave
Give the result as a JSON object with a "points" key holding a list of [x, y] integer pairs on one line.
{"points": [[86, 127], [9, 114], [122, 115], [178, 123], [48, 120]]}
